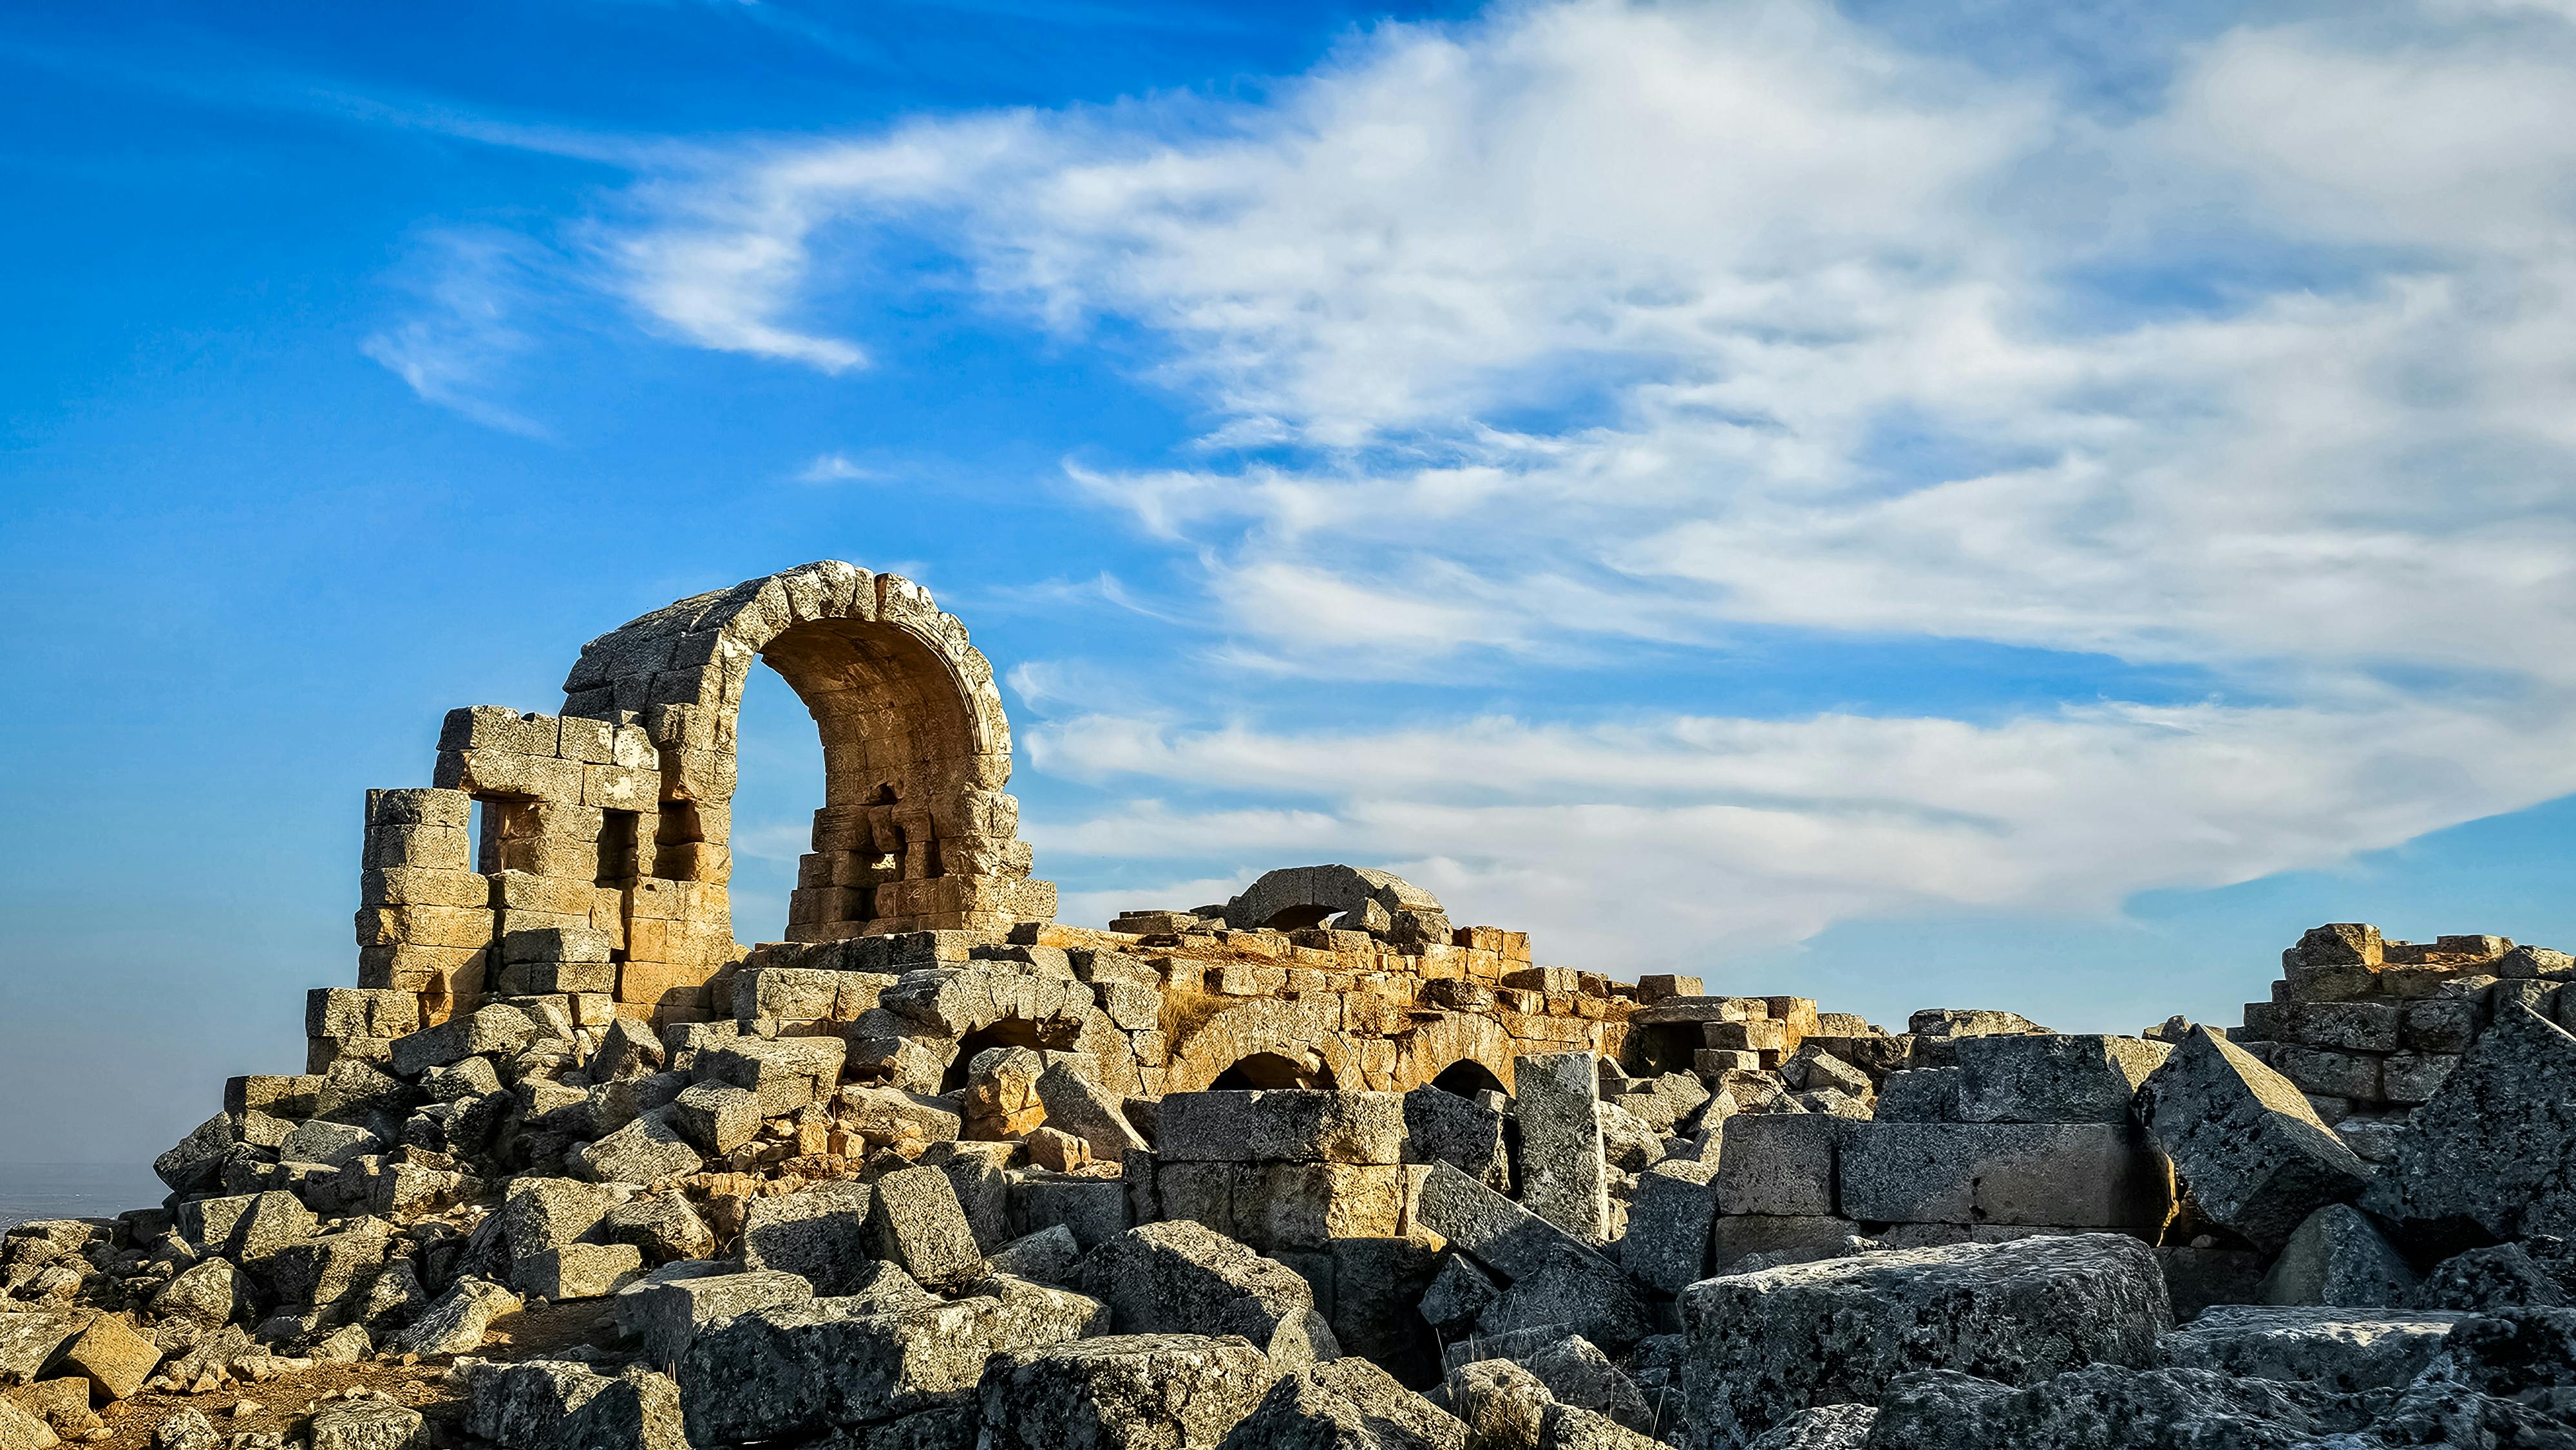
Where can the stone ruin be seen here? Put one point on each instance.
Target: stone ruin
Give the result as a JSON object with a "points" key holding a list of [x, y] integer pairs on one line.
{"points": [[569, 1166]]}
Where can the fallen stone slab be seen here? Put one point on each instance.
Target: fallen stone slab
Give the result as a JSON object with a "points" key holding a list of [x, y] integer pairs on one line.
{"points": [[455, 1322], [1577, 1373], [1782, 1164], [667, 1313], [538, 1214], [21, 1430], [2103, 1407], [1564, 1178], [561, 1405], [1185, 1278], [367, 1422], [914, 1220], [1457, 1294], [716, 1116], [1076, 1103], [805, 1370], [819, 1234], [2253, 1153], [784, 1074], [2340, 1349], [110, 1355], [1282, 1125], [208, 1292], [2499, 1276], [1579, 1294], [495, 1030], [1766, 1344], [1050, 1256], [1348, 1404], [2339, 1257], [1488, 1227], [579, 1271], [2493, 1155], [1122, 1391], [644, 1151], [1507, 1408], [1822, 1427]]}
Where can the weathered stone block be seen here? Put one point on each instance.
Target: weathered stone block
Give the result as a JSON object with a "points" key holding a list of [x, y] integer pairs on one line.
{"points": [[785, 1074], [1183, 1278], [2023, 1078], [716, 1116], [1121, 1391], [2071, 1175], [820, 1235], [1282, 1125], [646, 1150], [2249, 1148], [668, 1313], [110, 1356], [1307, 1205], [2338, 1257], [2336, 1348], [2493, 1153], [494, 1031], [579, 1271], [914, 1220], [1779, 1163], [1767, 1344], [1667, 1243], [1488, 1227]]}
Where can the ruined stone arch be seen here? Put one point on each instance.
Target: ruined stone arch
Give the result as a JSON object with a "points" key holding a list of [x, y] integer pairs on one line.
{"points": [[1445, 1041], [1292, 1030], [915, 831]]}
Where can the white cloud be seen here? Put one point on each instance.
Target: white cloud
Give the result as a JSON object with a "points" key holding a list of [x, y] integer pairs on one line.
{"points": [[1641, 844], [458, 349], [1591, 323]]}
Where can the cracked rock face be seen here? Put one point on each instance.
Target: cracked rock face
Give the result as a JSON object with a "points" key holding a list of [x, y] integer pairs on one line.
{"points": [[2494, 1153], [1767, 1344], [1123, 1390]]}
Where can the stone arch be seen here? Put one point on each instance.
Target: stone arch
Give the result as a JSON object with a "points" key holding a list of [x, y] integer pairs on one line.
{"points": [[1275, 1070], [1295, 1031], [1453, 1038], [915, 832], [1352, 897]]}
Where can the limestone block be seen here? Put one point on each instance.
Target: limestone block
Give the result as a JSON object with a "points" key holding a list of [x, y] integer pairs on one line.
{"points": [[494, 1031], [548, 979], [2408, 1078], [2336, 1348], [455, 1322], [449, 809], [447, 973], [1308, 1205], [2022, 1078], [2342, 1026], [424, 886], [2338, 1257], [1123, 1390], [1780, 1163], [424, 847], [915, 1221], [555, 895], [2072, 1175], [192, 1164], [1767, 1344], [367, 1422], [1442, 1127], [428, 926], [1183, 1278], [510, 774], [644, 1151], [820, 1234], [1755, 1035], [2496, 1144], [1563, 1176], [886, 1116], [1488, 1227], [2440, 1025], [327, 1268], [619, 787], [553, 943], [562, 1405], [1095, 1209], [668, 1312], [1667, 1242], [785, 1074], [1076, 1103], [1049, 1256], [2322, 1073], [1283, 1125], [579, 1271], [111, 1357], [332, 1144], [498, 727], [1576, 1293], [796, 1371], [2246, 1145]]}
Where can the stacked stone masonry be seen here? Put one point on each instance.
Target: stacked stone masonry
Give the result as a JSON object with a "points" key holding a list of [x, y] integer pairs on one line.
{"points": [[1309, 1166]]}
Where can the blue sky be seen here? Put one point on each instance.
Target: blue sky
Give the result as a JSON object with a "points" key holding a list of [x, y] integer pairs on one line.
{"points": [[1979, 504]]}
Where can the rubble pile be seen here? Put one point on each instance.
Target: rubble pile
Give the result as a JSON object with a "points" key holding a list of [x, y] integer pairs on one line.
{"points": [[1311, 1167]]}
